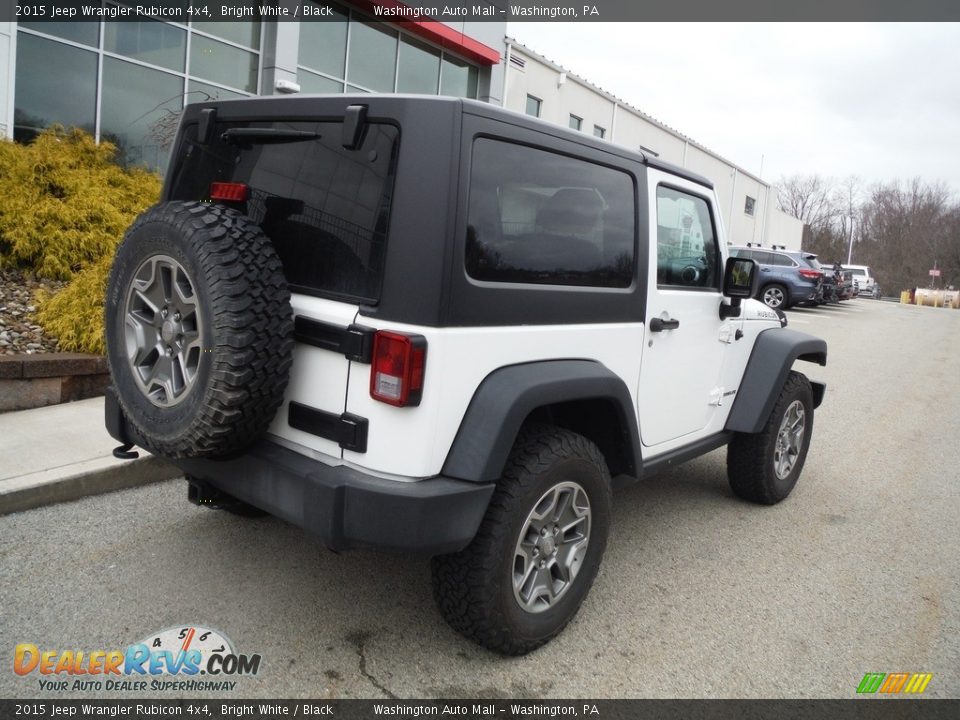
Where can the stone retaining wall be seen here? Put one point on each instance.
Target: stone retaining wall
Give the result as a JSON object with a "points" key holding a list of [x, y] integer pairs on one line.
{"points": [[29, 381]]}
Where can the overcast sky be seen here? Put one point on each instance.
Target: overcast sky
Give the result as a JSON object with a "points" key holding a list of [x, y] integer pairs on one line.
{"points": [[881, 101]]}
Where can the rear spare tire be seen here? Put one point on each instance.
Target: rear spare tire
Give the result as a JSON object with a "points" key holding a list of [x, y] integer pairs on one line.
{"points": [[199, 330]]}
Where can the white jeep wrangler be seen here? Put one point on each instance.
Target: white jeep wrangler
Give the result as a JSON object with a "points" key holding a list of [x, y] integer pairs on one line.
{"points": [[433, 325]]}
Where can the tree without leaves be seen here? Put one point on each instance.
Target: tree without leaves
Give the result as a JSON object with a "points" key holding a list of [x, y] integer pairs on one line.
{"points": [[900, 230], [907, 229], [830, 212]]}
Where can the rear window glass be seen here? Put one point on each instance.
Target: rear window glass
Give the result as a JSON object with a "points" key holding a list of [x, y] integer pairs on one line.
{"points": [[325, 208], [813, 262], [540, 217]]}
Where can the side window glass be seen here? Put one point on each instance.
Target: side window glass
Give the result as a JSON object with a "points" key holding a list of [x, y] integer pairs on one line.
{"points": [[538, 217], [782, 260], [687, 254], [764, 257]]}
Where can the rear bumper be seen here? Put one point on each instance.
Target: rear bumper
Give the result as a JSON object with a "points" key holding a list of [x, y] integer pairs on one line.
{"points": [[343, 506]]}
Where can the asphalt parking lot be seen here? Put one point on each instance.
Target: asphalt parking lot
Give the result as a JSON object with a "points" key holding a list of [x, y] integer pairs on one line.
{"points": [[700, 594]]}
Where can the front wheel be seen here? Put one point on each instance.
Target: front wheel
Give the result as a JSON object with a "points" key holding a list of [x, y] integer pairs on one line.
{"points": [[537, 552], [764, 467]]}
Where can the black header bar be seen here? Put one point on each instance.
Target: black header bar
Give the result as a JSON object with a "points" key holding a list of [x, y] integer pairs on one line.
{"points": [[458, 11]]}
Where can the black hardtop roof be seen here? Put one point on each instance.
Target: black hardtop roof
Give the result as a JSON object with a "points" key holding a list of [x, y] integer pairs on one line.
{"points": [[380, 104]]}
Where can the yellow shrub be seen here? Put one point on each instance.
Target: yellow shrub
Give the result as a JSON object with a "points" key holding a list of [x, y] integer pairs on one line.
{"points": [[75, 314], [64, 203], [64, 207]]}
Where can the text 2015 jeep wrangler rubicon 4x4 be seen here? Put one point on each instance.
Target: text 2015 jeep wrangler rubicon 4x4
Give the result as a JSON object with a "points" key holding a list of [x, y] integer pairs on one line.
{"points": [[433, 325]]}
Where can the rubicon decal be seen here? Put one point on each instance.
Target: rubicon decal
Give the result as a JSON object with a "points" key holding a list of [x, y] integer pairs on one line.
{"points": [[186, 651]]}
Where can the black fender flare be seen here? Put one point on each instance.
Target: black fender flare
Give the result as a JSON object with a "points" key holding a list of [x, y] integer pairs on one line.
{"points": [[770, 362], [507, 396]]}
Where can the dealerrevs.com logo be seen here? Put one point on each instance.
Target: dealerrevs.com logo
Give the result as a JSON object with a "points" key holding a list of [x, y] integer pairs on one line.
{"points": [[894, 683], [186, 658]]}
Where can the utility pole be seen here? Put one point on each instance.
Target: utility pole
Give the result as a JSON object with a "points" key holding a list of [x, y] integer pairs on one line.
{"points": [[850, 243]]}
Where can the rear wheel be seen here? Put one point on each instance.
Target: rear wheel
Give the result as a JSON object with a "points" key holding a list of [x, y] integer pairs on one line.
{"points": [[537, 552]]}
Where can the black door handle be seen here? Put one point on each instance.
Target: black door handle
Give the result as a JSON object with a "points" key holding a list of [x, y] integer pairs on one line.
{"points": [[658, 325]]}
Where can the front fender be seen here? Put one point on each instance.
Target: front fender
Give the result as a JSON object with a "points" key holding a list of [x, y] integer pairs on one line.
{"points": [[770, 362]]}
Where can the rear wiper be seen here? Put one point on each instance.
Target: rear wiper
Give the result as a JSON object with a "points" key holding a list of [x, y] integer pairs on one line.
{"points": [[262, 136]]}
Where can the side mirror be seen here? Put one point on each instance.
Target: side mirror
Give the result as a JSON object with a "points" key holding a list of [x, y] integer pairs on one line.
{"points": [[739, 281], [740, 278]]}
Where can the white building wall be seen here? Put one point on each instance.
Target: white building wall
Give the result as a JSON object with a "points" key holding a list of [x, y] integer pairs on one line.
{"points": [[8, 48], [562, 93], [490, 34], [783, 229]]}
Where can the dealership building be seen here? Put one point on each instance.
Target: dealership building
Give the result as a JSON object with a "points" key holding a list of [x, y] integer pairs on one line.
{"points": [[126, 81]]}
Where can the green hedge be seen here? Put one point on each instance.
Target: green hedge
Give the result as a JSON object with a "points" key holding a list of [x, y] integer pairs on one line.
{"points": [[64, 206]]}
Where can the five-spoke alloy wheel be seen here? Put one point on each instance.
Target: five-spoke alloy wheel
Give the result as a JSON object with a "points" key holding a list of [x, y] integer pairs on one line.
{"points": [[538, 549], [163, 323], [551, 547]]}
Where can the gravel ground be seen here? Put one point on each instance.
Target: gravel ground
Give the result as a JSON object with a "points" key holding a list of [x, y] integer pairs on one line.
{"points": [[19, 331]]}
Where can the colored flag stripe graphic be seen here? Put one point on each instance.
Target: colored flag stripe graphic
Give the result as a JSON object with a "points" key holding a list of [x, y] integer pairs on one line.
{"points": [[892, 683]]}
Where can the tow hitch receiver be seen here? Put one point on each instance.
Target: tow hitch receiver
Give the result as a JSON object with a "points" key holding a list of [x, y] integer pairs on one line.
{"points": [[203, 493]]}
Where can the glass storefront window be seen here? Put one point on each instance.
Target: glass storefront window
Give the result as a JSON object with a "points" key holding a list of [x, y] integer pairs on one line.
{"points": [[323, 44], [87, 33], [212, 60], [154, 42], [373, 57], [241, 32], [311, 83], [202, 92], [458, 78], [55, 83], [418, 69], [139, 112]]}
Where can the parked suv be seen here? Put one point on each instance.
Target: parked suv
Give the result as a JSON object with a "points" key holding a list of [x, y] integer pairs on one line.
{"points": [[866, 283], [787, 277], [437, 326]]}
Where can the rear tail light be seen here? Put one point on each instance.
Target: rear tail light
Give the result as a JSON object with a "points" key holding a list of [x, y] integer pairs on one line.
{"points": [[396, 375], [228, 191], [809, 274]]}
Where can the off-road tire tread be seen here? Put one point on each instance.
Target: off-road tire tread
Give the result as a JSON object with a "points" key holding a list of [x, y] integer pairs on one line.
{"points": [[253, 330], [748, 468], [463, 582]]}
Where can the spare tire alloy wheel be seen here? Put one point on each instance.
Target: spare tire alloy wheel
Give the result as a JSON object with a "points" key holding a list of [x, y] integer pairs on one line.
{"points": [[199, 330], [164, 325]]}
